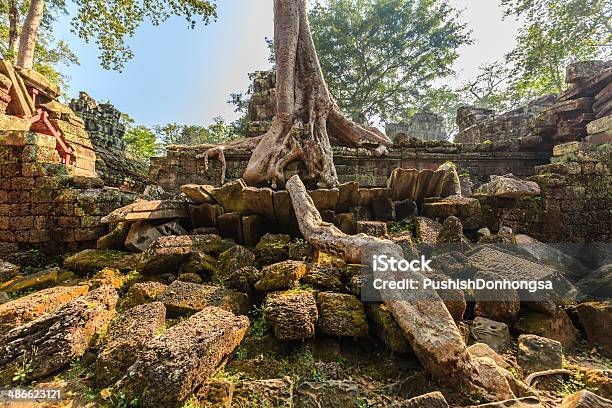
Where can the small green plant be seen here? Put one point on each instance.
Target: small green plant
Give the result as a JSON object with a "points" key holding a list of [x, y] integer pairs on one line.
{"points": [[362, 403], [21, 374], [577, 381], [258, 323]]}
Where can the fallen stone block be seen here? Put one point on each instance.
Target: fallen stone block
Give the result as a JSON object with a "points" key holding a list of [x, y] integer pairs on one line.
{"points": [[116, 238], [143, 292], [510, 187], [260, 201], [167, 254], [280, 276], [205, 215], [127, 335], [403, 184], [405, 209], [537, 353], [185, 298], [431, 400], [273, 248], [267, 393], [291, 315], [52, 341], [466, 209], [557, 327], [494, 334], [27, 308], [325, 199], [230, 196], [148, 210], [596, 318], [91, 261], [216, 393], [345, 223], [253, 228], [235, 258], [383, 209], [332, 393], [230, 226], [346, 196], [386, 328], [141, 235], [372, 228], [8, 271], [40, 280], [483, 350], [427, 230], [172, 366], [199, 193], [341, 315], [585, 399]]}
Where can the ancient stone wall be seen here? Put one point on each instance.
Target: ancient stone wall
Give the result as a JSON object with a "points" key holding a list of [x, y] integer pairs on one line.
{"points": [[106, 131], [180, 165], [576, 200], [262, 106], [41, 205], [422, 125]]}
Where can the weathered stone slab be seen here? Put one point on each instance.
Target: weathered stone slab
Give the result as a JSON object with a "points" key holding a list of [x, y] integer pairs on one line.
{"points": [[581, 71], [346, 196], [527, 402], [510, 187], [167, 254], [466, 209], [332, 394], [588, 88], [116, 238], [585, 399], [386, 328], [259, 201], [280, 276], [557, 327], [230, 226], [205, 215], [127, 335], [25, 309], [537, 353], [291, 315], [59, 337], [230, 196], [596, 318], [341, 315], [431, 400], [373, 228], [91, 261], [273, 248], [143, 292], [267, 393], [141, 235], [8, 271], [184, 298], [403, 184], [42, 279], [325, 199], [148, 210], [494, 334], [199, 193], [600, 125], [176, 363]]}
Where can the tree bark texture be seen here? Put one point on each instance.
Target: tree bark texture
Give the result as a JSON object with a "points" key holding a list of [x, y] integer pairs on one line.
{"points": [[27, 40], [13, 43], [305, 111]]}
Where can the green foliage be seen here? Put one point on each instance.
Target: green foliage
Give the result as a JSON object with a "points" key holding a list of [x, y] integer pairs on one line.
{"points": [[109, 22], [555, 33], [190, 135], [25, 368], [50, 53], [142, 142], [381, 57]]}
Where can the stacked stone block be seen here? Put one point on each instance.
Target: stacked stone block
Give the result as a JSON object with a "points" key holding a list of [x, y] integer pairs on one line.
{"points": [[262, 106], [576, 200], [5, 97], [422, 125], [41, 205], [116, 166]]}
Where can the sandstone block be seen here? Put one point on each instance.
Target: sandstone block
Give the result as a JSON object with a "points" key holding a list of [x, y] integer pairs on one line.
{"points": [[341, 315], [291, 315], [185, 298]]}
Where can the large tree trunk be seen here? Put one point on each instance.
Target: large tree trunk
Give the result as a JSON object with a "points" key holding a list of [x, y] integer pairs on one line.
{"points": [[421, 315], [304, 109], [27, 41], [13, 11]]}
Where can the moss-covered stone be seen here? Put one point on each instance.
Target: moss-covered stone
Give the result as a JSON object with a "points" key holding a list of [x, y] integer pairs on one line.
{"points": [[272, 248], [281, 275], [292, 314], [341, 315], [91, 261], [386, 328]]}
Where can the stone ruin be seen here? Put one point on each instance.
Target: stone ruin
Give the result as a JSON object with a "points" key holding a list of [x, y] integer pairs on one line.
{"points": [[156, 308], [50, 194], [115, 165], [422, 125]]}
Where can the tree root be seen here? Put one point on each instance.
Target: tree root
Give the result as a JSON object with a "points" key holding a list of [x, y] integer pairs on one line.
{"points": [[531, 377], [422, 317]]}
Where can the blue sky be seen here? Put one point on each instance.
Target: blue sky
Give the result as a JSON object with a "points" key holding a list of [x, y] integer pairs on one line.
{"points": [[186, 76]]}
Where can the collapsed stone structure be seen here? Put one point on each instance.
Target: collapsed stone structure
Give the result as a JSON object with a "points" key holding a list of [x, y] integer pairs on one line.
{"points": [[422, 125], [50, 194], [115, 165], [183, 271]]}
